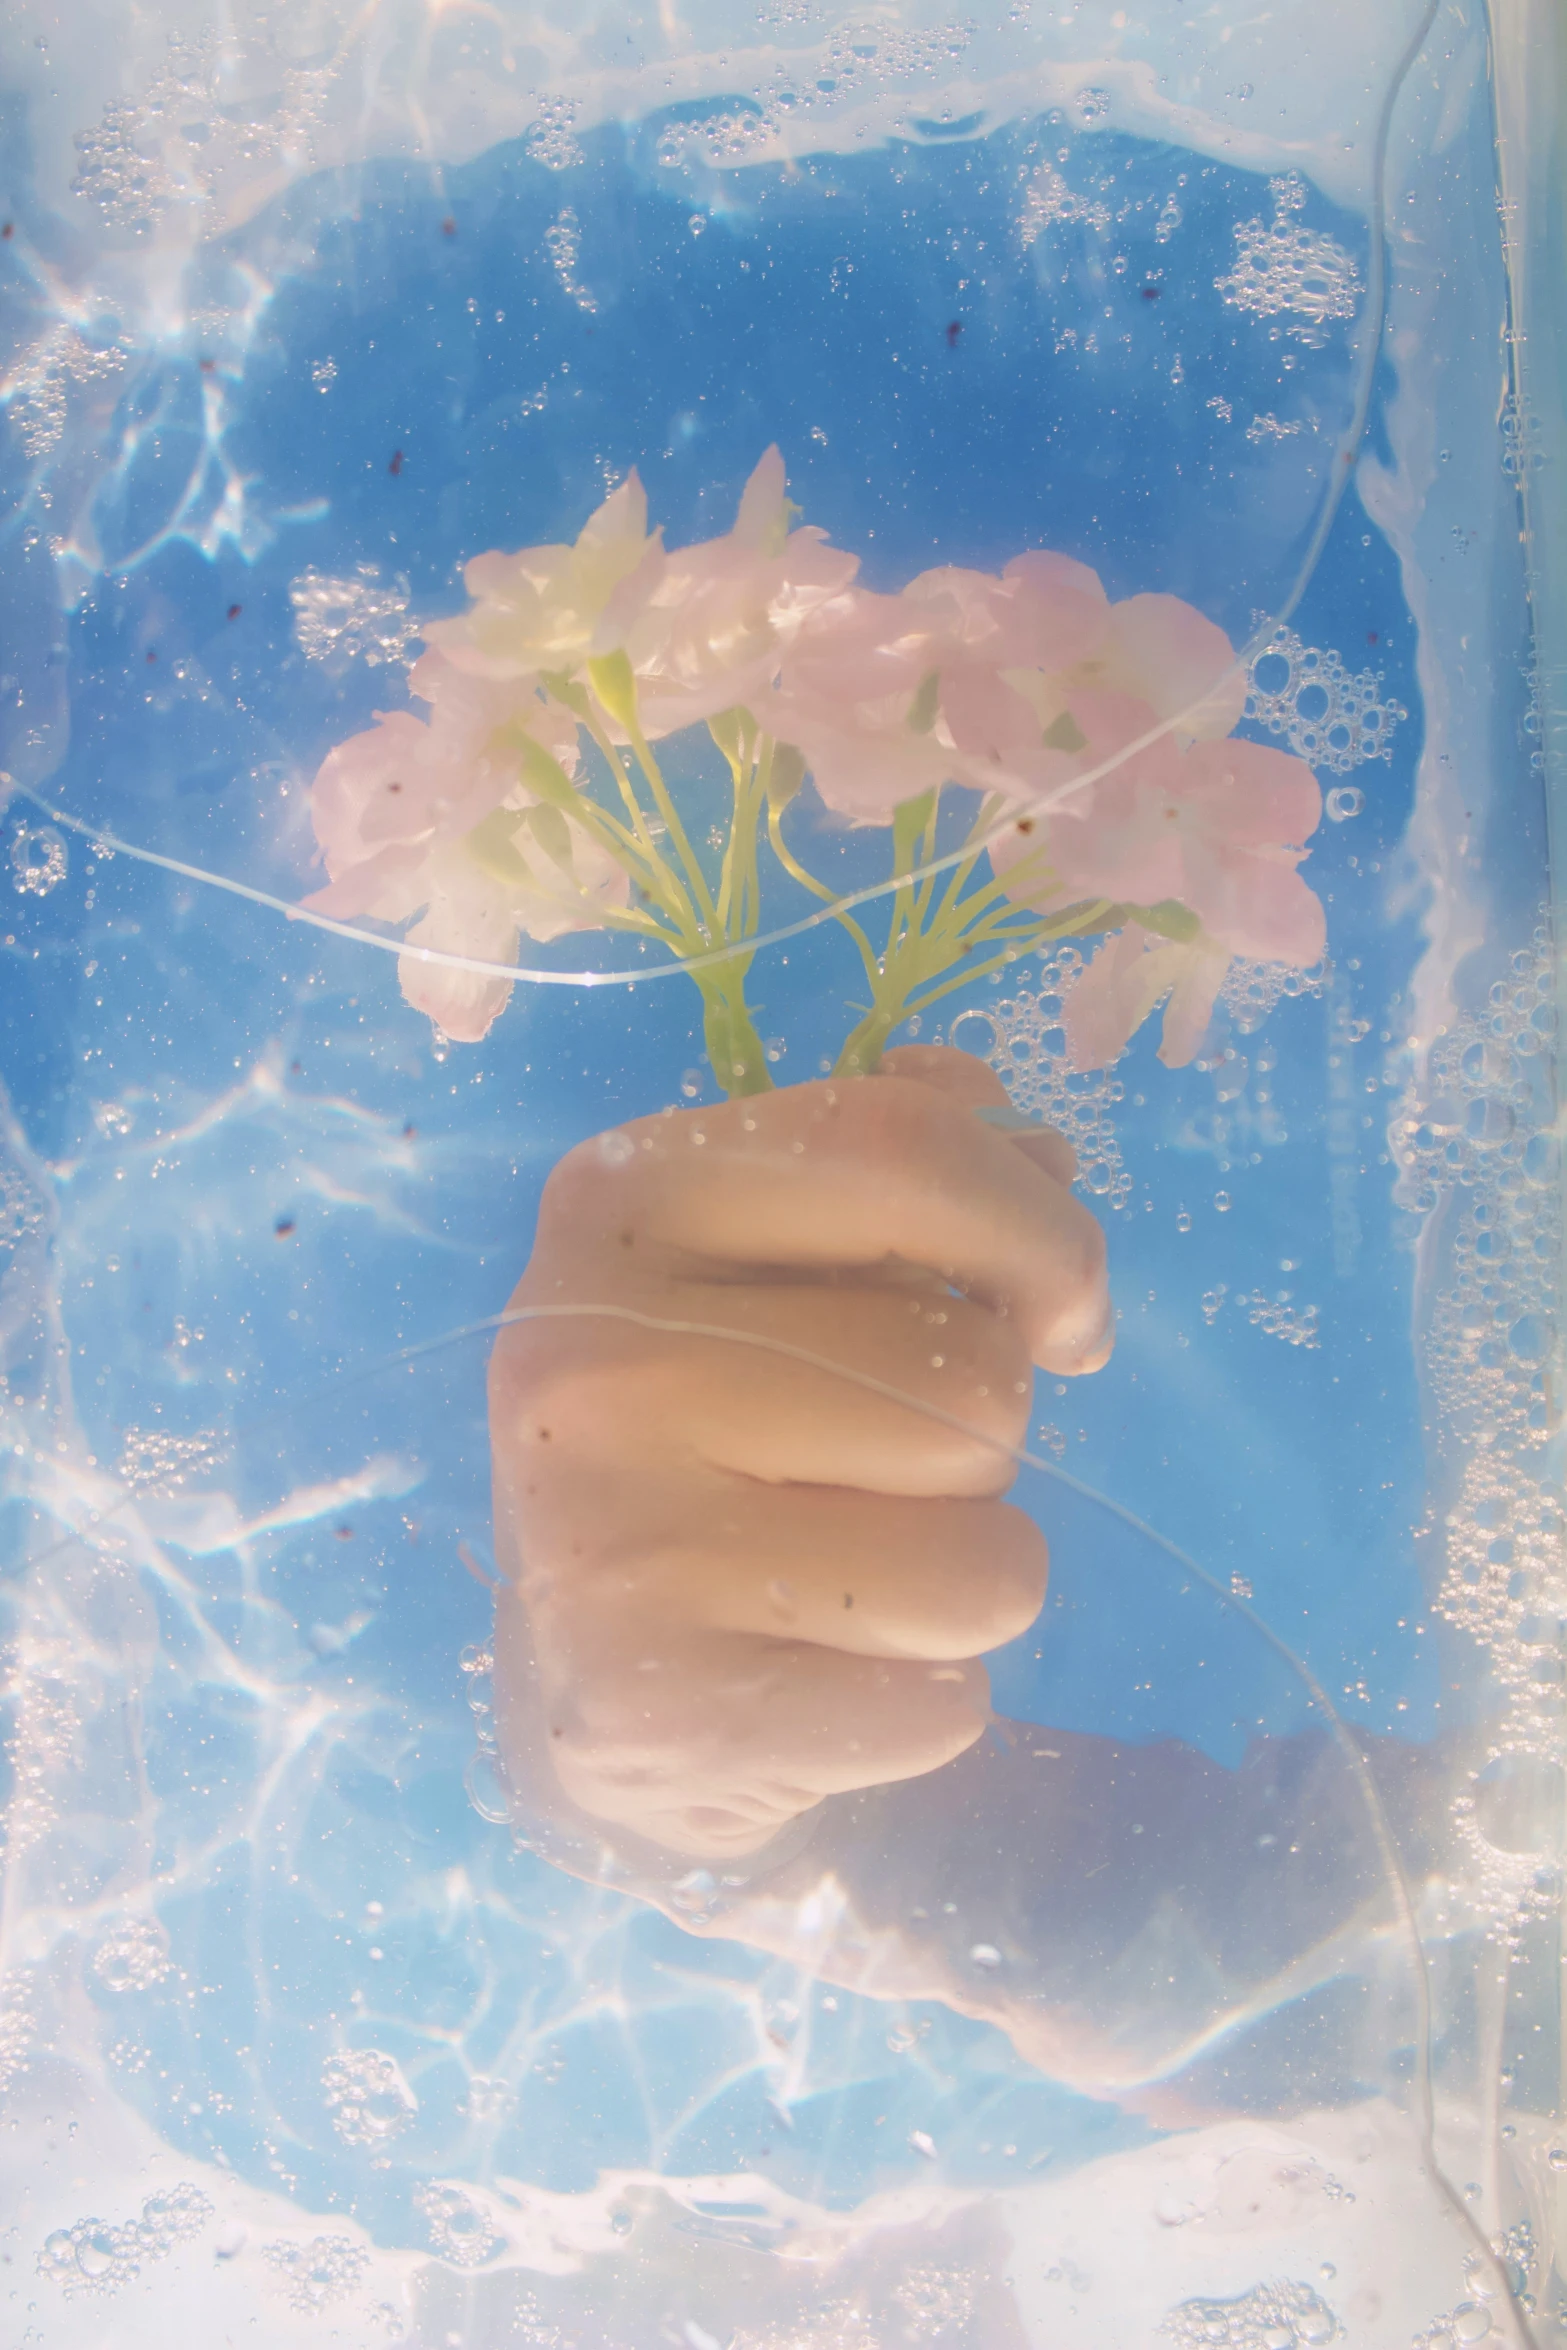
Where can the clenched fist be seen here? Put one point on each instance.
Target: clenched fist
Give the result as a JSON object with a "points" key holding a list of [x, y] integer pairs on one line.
{"points": [[739, 1580]]}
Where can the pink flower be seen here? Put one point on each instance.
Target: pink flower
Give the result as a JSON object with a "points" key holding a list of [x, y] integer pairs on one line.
{"points": [[551, 608], [721, 616], [888, 696], [849, 699], [1218, 827], [704, 628], [975, 679], [434, 819], [1164, 653], [1124, 983], [1212, 834]]}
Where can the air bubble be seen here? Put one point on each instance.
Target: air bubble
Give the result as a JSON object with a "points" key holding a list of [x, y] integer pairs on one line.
{"points": [[1488, 1121], [38, 859], [1344, 801], [1221, 1203], [1529, 1338]]}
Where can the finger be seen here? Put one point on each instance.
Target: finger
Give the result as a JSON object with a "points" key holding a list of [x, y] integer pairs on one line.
{"points": [[902, 1392], [885, 1390], [710, 1744], [976, 1085], [870, 1575], [946, 1069], [840, 1175]]}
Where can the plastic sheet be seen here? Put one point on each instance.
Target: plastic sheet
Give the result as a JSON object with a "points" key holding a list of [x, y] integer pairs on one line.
{"points": [[1212, 1995]]}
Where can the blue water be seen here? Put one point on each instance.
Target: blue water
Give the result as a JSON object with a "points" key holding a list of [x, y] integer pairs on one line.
{"points": [[267, 1192]]}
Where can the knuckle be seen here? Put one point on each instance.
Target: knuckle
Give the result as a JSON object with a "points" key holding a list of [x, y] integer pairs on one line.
{"points": [[884, 1117]]}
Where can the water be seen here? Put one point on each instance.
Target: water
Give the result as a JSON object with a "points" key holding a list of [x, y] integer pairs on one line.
{"points": [[1212, 1995]]}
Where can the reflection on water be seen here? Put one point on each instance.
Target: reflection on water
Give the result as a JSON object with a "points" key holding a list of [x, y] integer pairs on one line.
{"points": [[321, 2006]]}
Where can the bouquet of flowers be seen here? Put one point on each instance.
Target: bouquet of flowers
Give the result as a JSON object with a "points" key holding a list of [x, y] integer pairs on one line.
{"points": [[1105, 790]]}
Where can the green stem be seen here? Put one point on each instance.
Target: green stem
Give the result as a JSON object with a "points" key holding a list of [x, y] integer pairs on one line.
{"points": [[695, 877], [733, 1046], [612, 760], [797, 872]]}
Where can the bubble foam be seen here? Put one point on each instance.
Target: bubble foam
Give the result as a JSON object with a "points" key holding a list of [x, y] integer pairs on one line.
{"points": [[1478, 1159], [1023, 1040], [95, 2256], [1281, 267], [360, 617], [1329, 718]]}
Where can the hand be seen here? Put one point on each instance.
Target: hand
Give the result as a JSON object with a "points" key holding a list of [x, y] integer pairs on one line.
{"points": [[741, 1581]]}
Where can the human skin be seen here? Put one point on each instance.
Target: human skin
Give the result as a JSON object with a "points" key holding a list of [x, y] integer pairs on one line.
{"points": [[689, 1710], [738, 1581]]}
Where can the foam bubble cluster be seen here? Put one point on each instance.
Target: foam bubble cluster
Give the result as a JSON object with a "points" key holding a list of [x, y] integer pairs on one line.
{"points": [[842, 2325], [563, 243], [157, 1461], [95, 2256], [937, 2304], [38, 859], [36, 391], [853, 61], [1280, 1318], [133, 1956], [1047, 199], [1328, 717], [21, 1210], [18, 2026], [460, 2229], [314, 2275], [1251, 990], [1280, 2316], [174, 142], [552, 135], [1023, 1040], [1282, 267], [367, 2097], [358, 618], [1476, 1152]]}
